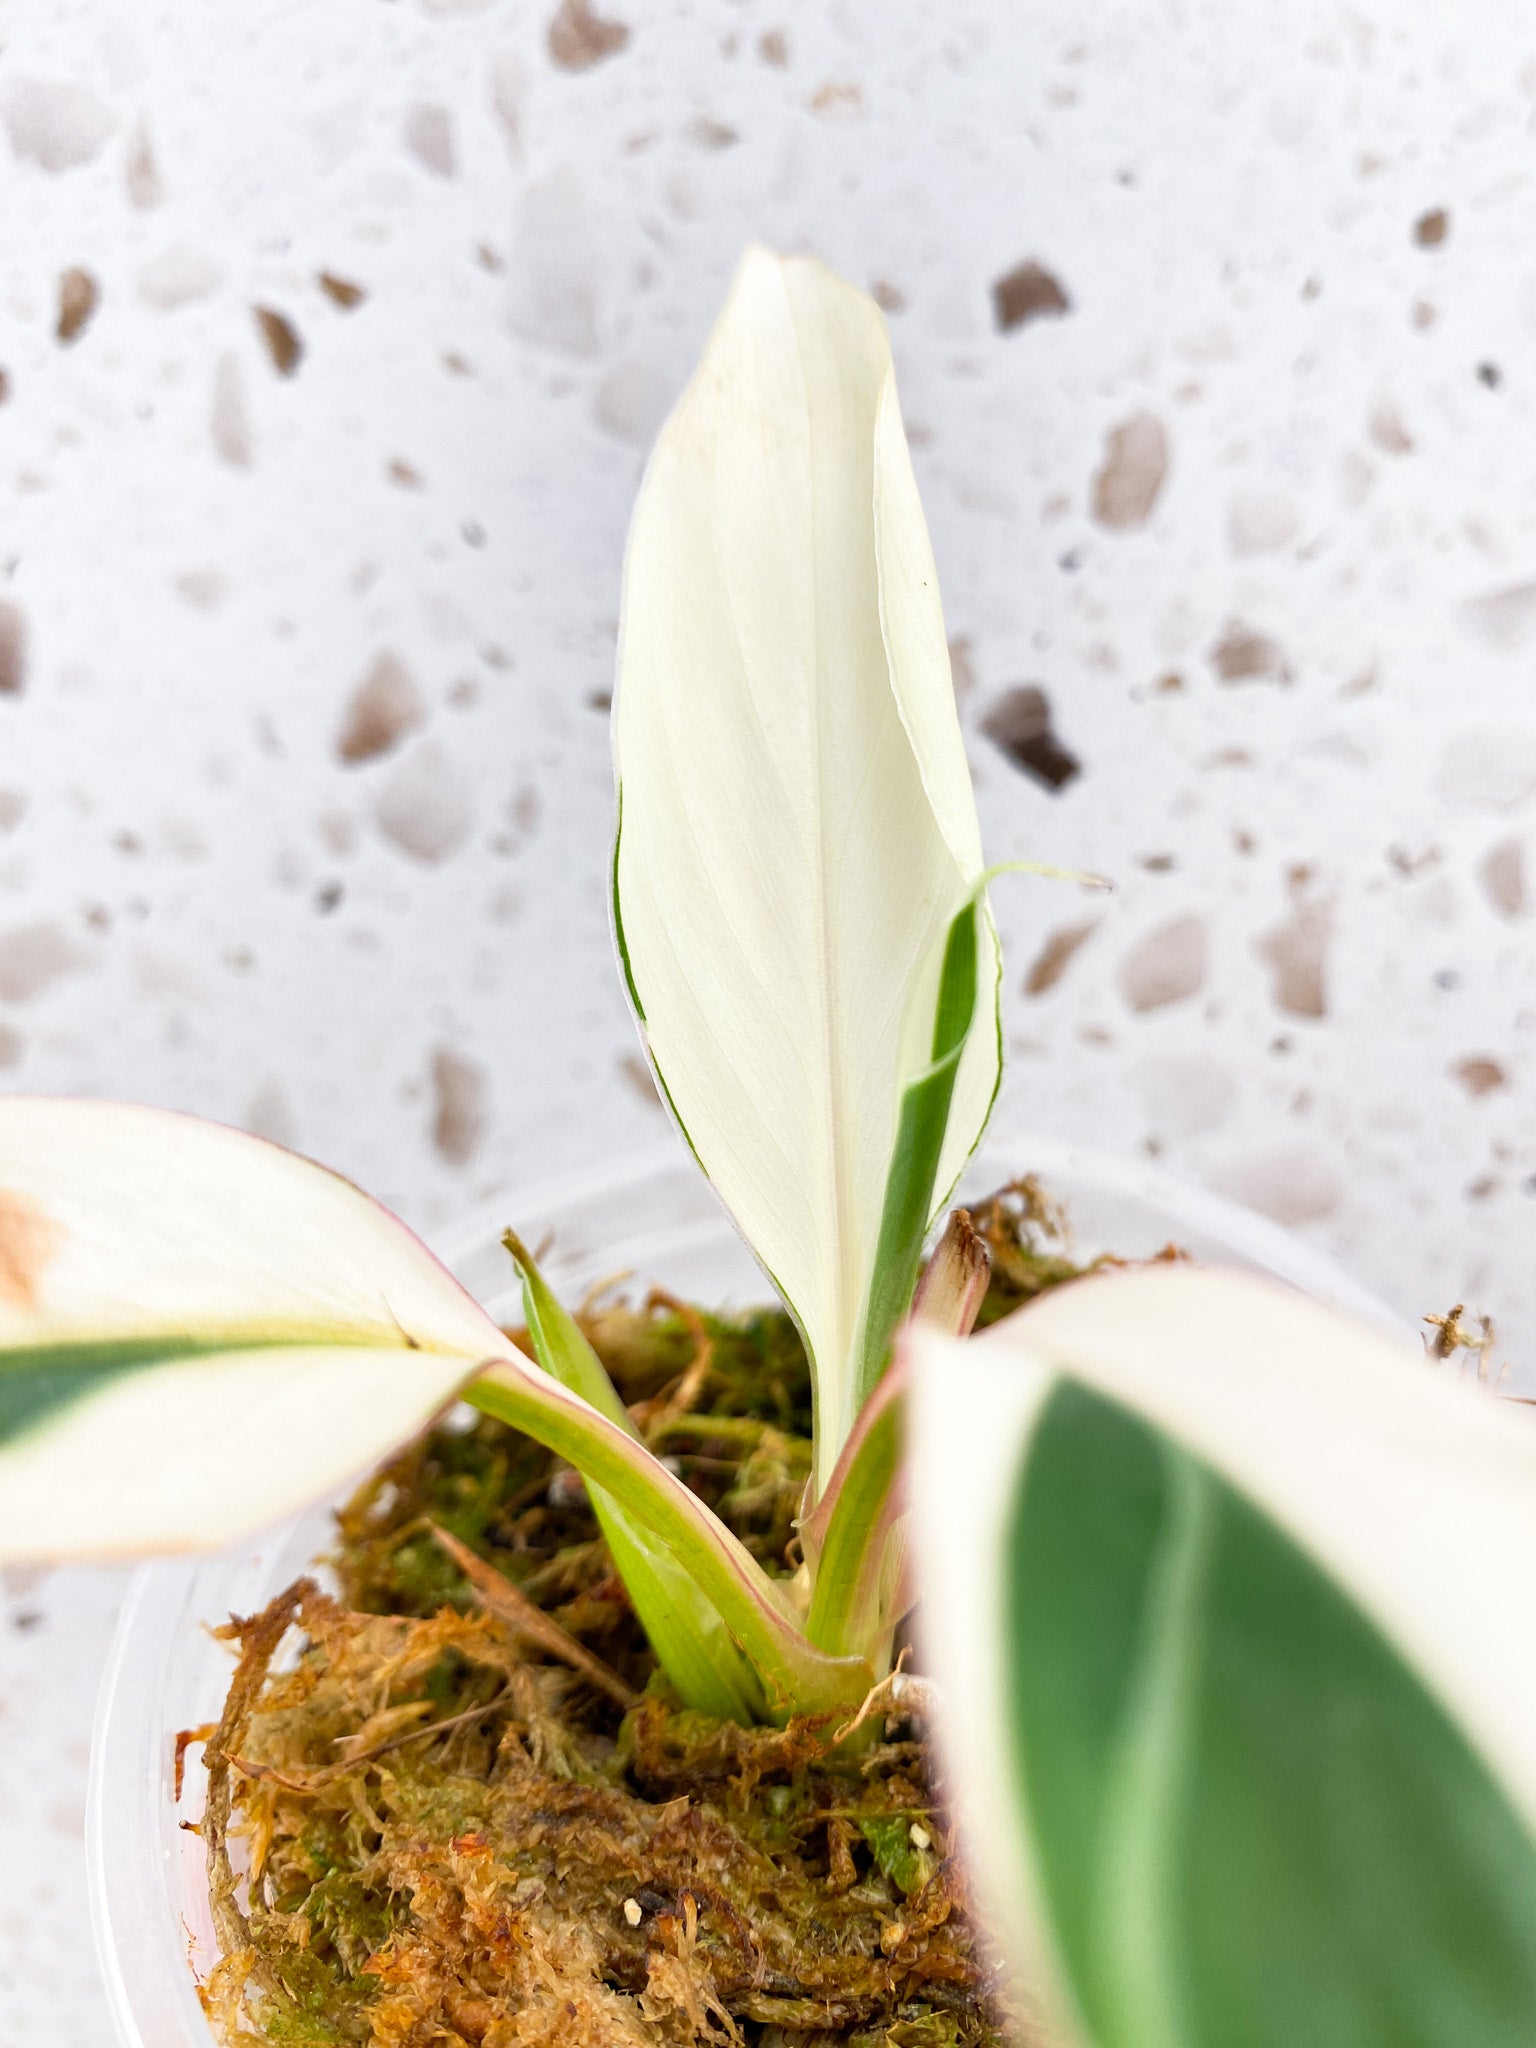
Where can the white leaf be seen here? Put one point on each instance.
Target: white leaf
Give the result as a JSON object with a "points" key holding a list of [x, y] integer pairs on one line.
{"points": [[797, 826]]}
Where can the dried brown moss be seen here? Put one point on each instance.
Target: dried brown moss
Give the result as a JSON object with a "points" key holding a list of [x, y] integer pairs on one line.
{"points": [[459, 1828]]}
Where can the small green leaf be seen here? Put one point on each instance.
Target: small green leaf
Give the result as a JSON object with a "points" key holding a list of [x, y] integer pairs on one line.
{"points": [[692, 1643], [889, 1836], [702, 1560]]}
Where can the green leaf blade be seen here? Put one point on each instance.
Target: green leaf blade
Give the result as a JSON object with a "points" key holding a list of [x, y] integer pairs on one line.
{"points": [[1220, 1587], [1253, 1821], [692, 1643]]}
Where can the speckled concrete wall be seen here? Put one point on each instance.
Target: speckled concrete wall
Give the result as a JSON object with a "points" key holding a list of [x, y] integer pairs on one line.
{"points": [[331, 339]]}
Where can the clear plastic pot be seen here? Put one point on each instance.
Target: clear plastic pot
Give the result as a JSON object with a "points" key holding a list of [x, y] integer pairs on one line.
{"points": [[655, 1218]]}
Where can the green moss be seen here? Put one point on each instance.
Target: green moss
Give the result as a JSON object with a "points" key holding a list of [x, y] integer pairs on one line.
{"points": [[443, 1883]]}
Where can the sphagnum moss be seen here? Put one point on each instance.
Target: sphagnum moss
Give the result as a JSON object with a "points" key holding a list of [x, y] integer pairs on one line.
{"points": [[454, 1836]]}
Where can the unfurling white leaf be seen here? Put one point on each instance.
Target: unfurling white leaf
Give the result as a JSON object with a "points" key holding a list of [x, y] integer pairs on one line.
{"points": [[797, 829]]}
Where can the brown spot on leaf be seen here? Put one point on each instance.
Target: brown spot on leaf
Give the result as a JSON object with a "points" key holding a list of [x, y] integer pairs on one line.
{"points": [[1167, 966], [1296, 952], [460, 1105], [79, 296], [284, 344], [773, 47], [890, 298], [1027, 292], [1133, 471], [29, 1241], [1020, 723], [384, 707], [579, 38], [341, 291], [5, 386], [1480, 1075], [1056, 955], [1243, 655], [1431, 229], [13, 650], [1502, 874]]}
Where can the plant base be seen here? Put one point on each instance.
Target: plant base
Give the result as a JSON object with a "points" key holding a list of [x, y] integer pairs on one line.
{"points": [[450, 1832]]}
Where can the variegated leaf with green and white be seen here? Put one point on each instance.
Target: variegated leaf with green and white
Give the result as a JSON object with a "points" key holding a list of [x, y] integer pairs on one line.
{"points": [[797, 865], [201, 1333], [1229, 1598]]}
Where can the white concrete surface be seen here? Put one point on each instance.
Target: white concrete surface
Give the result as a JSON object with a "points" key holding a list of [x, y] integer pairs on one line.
{"points": [[1282, 431]]}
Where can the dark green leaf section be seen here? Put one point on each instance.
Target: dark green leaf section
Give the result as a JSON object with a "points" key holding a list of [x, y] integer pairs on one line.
{"points": [[1251, 1823], [37, 1384], [920, 1132]]}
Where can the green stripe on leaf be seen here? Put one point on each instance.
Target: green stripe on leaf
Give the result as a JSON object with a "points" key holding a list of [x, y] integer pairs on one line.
{"points": [[920, 1133]]}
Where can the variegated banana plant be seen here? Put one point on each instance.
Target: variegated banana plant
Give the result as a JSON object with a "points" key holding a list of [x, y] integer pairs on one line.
{"points": [[200, 1332], [1231, 1599]]}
